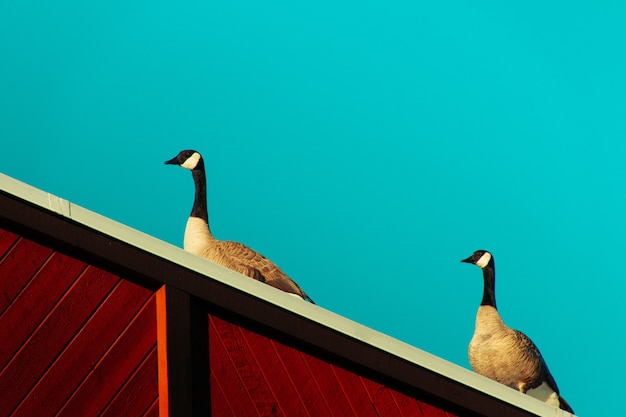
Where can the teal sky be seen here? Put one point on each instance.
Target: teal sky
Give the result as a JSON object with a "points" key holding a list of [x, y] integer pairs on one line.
{"points": [[364, 146]]}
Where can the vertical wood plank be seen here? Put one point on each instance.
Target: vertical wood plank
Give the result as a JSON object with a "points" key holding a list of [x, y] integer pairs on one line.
{"points": [[174, 318], [184, 376], [200, 365], [162, 374]]}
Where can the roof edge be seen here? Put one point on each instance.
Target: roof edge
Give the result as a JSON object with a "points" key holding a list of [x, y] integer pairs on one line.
{"points": [[91, 221]]}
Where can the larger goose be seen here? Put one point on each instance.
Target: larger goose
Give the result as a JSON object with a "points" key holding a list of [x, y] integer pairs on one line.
{"points": [[236, 256], [503, 354]]}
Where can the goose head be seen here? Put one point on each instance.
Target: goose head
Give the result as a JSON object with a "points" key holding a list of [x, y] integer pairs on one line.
{"points": [[188, 159], [480, 258]]}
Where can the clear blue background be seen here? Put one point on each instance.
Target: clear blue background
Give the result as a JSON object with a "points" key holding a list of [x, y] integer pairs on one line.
{"points": [[364, 146]]}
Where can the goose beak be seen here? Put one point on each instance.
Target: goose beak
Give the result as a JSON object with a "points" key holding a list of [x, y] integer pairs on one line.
{"points": [[468, 260], [173, 161]]}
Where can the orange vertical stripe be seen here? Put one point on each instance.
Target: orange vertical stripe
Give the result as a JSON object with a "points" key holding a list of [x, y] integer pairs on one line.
{"points": [[161, 310]]}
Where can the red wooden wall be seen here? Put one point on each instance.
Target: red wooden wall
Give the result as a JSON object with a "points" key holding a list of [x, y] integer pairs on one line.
{"points": [[253, 375], [75, 340]]}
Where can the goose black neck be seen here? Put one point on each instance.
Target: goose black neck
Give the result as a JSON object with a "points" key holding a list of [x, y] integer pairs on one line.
{"points": [[489, 292], [199, 204]]}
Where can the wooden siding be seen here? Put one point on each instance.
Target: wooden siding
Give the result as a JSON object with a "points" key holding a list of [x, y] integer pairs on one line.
{"points": [[111, 322], [78, 340], [254, 375], [74, 339]]}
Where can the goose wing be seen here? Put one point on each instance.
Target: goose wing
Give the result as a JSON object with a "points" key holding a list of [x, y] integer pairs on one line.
{"points": [[288, 285], [550, 379], [532, 353], [247, 261], [542, 386]]}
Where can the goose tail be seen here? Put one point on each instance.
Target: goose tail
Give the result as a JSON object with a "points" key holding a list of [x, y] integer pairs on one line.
{"points": [[563, 405], [307, 298]]}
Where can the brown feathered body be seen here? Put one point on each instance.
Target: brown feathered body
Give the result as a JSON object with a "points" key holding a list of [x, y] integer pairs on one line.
{"points": [[236, 256], [233, 255], [503, 354]]}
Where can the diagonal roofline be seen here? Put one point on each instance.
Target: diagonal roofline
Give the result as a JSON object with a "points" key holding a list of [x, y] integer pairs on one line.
{"points": [[120, 248]]}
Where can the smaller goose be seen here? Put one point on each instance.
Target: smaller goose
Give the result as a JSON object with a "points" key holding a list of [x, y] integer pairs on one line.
{"points": [[503, 354], [233, 255]]}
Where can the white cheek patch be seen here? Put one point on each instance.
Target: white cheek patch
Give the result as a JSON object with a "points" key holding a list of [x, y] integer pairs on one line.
{"points": [[192, 161], [484, 260]]}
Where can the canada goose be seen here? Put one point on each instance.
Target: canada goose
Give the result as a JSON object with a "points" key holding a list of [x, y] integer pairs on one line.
{"points": [[236, 256], [503, 354]]}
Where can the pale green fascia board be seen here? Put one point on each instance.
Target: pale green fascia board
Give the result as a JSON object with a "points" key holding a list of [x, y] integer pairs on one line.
{"points": [[269, 294]]}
